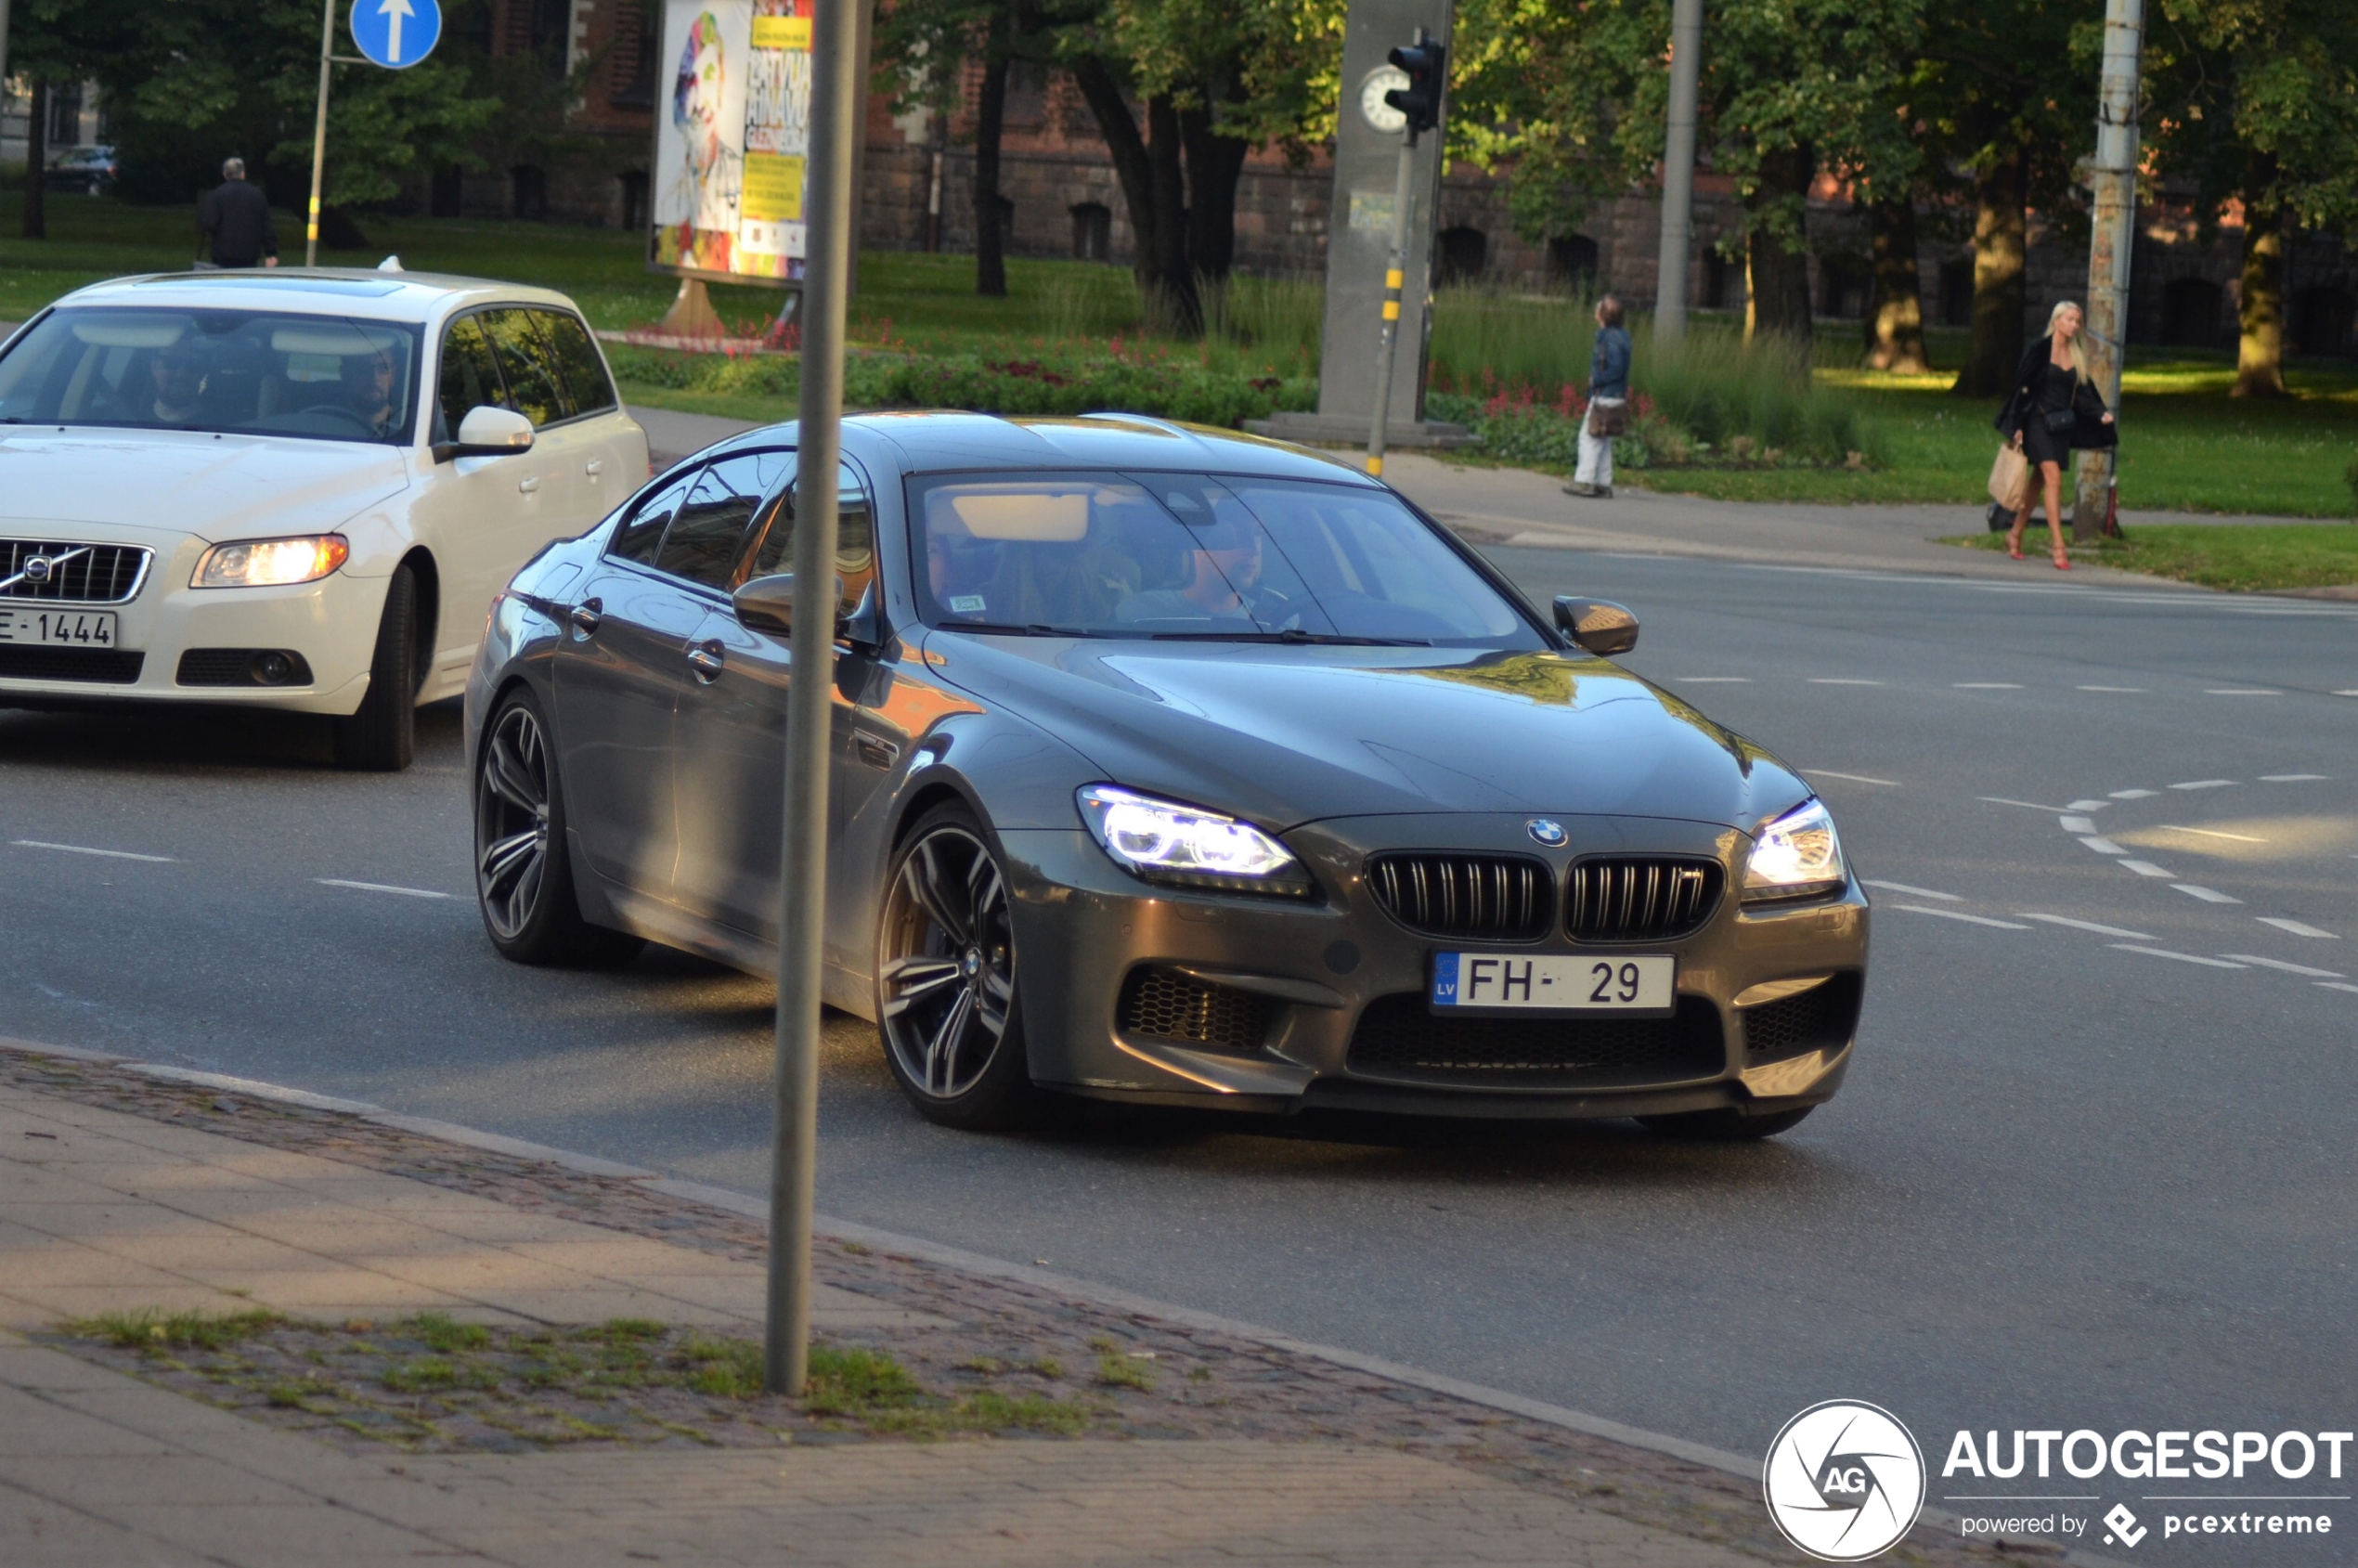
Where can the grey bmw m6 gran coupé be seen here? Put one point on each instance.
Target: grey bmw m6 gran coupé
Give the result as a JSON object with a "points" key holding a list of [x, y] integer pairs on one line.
{"points": [[1170, 766]]}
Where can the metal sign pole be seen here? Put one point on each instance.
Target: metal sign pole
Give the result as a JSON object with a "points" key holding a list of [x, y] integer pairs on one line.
{"points": [[2112, 239], [319, 132], [1395, 273], [1679, 171], [802, 898]]}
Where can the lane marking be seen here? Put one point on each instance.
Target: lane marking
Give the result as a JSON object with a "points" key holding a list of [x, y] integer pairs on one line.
{"points": [[2137, 689], [1917, 892], [2213, 833], [1986, 686], [2280, 963], [2087, 805], [2181, 957], [2002, 800], [2290, 778], [1840, 681], [86, 849], [2078, 824], [2089, 926], [2104, 846], [2145, 868], [2299, 929], [383, 888], [2204, 784], [2208, 895], [2336, 985], [1854, 778], [2240, 691], [2353, 693], [2131, 794], [1960, 915]]}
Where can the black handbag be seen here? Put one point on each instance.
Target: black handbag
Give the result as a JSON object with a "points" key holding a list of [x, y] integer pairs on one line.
{"points": [[2058, 420]]}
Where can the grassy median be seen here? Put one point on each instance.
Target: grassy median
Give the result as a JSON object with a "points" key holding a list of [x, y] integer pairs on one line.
{"points": [[2253, 557]]}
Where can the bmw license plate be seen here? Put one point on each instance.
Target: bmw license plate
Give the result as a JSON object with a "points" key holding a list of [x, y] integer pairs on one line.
{"points": [[1523, 982], [57, 629]]}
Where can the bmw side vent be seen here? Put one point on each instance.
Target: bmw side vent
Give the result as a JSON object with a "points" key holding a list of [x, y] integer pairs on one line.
{"points": [[71, 574], [1821, 1019], [1160, 1003], [1489, 898], [1639, 900]]}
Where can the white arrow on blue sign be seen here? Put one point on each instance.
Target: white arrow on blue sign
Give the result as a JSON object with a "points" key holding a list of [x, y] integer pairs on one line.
{"points": [[397, 33]]}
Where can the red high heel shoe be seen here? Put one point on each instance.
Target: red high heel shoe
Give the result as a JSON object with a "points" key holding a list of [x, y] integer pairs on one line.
{"points": [[2063, 562], [2013, 548]]}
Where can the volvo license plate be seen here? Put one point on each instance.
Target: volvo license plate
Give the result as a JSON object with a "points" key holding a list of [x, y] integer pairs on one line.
{"points": [[1526, 982], [56, 629]]}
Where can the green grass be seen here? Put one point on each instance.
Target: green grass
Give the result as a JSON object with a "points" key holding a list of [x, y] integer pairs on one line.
{"points": [[158, 1331], [2247, 558]]}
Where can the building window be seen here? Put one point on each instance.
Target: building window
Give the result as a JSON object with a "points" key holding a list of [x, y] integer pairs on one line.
{"points": [[1723, 283], [528, 192], [2190, 313], [634, 199], [1572, 261], [1842, 288], [2320, 320], [1091, 232], [1956, 293], [65, 115], [1463, 255], [638, 40]]}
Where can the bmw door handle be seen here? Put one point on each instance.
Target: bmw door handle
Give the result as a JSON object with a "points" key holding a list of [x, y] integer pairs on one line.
{"points": [[586, 616], [707, 659]]}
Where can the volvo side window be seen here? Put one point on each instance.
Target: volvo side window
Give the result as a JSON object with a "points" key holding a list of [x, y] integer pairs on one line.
{"points": [[535, 388], [470, 377], [585, 374]]}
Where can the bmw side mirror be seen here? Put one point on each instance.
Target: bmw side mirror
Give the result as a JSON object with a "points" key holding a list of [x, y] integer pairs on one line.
{"points": [[766, 605], [1596, 626], [487, 432]]}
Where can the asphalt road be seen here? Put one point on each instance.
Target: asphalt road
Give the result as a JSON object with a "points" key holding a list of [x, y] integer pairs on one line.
{"points": [[2093, 1168]]}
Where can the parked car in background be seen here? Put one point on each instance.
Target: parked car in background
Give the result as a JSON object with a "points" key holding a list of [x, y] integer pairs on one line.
{"points": [[1170, 767], [87, 169], [295, 489]]}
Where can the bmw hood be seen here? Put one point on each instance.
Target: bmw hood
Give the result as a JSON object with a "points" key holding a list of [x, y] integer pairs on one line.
{"points": [[151, 485], [1291, 734]]}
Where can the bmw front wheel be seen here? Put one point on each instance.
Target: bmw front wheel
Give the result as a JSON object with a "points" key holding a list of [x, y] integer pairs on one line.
{"points": [[523, 878]]}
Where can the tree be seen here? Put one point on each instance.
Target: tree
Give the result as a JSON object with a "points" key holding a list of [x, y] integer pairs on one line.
{"points": [[2256, 102], [923, 47]]}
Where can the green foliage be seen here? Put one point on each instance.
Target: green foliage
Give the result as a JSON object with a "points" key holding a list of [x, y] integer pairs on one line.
{"points": [[439, 1332], [1148, 380], [857, 1383], [2257, 99], [156, 1331]]}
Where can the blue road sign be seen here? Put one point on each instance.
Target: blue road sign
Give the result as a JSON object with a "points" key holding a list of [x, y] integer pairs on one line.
{"points": [[397, 33]]}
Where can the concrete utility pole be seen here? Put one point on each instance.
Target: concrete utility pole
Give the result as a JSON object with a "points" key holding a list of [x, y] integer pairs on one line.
{"points": [[802, 899], [2112, 174], [1396, 273], [319, 131], [4, 50], [1679, 171]]}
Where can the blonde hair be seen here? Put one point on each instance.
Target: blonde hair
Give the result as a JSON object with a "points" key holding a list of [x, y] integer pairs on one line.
{"points": [[2079, 355]]}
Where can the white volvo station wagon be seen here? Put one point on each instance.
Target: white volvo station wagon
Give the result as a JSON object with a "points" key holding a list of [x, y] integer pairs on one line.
{"points": [[295, 489]]}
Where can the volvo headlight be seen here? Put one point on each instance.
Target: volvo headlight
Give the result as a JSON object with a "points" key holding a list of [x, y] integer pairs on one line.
{"points": [[1795, 856], [1187, 846], [271, 563]]}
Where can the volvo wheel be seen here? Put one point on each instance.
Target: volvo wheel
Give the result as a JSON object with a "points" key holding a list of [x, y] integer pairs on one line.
{"points": [[947, 997], [524, 879]]}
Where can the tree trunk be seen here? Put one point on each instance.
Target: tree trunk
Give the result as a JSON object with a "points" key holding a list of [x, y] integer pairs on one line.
{"points": [[991, 116], [2260, 359], [2001, 195], [1776, 269], [1131, 166], [1173, 305], [1215, 165], [1895, 319], [36, 166]]}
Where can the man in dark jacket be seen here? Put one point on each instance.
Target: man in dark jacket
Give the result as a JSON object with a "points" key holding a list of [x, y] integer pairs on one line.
{"points": [[235, 219]]}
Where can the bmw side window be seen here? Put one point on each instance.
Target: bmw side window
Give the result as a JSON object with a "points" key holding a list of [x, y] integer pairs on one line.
{"points": [[535, 389], [855, 541], [641, 534], [585, 374], [470, 377], [708, 530]]}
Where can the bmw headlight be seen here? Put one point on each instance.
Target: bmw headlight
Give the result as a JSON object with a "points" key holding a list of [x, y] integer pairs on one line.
{"points": [[1795, 856], [1187, 846], [271, 563]]}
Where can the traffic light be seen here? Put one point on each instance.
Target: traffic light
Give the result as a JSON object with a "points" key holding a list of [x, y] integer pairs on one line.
{"points": [[1426, 64]]}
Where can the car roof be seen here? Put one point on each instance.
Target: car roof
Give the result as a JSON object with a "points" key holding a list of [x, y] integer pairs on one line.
{"points": [[950, 441], [340, 291]]}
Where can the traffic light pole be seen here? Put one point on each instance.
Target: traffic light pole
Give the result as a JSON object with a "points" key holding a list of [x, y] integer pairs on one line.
{"points": [[1395, 276], [319, 131]]}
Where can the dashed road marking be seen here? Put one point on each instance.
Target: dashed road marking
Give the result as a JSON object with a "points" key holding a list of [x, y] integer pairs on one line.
{"points": [[2103, 846], [2290, 778], [2204, 784], [1853, 778], [2181, 957], [2078, 824], [2087, 805], [2337, 985], [86, 849], [2089, 926], [1988, 686], [1960, 915], [2145, 868], [2212, 833], [2353, 693], [2240, 691], [2208, 895], [383, 888], [2133, 793], [2297, 927], [2280, 963], [1914, 892], [2002, 800]]}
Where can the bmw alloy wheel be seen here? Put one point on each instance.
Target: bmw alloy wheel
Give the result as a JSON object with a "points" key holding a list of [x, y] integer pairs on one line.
{"points": [[946, 969], [512, 821]]}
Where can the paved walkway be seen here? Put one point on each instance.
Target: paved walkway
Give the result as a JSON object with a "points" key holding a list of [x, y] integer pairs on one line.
{"points": [[102, 1211]]}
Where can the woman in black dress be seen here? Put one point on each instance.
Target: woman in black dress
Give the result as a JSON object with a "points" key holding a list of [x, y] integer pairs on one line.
{"points": [[2055, 409]]}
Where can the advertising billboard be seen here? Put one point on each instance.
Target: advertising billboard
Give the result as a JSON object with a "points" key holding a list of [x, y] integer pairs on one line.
{"points": [[732, 137]]}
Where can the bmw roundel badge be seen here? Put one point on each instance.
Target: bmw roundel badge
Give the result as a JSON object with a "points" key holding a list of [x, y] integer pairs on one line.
{"points": [[1545, 830]]}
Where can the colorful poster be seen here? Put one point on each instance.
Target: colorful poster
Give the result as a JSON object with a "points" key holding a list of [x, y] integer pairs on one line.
{"points": [[733, 138]]}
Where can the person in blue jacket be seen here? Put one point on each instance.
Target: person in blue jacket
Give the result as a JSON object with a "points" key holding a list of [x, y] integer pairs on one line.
{"points": [[1608, 403]]}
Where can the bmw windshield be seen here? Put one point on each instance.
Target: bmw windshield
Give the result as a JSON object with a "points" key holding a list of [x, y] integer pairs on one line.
{"points": [[324, 378], [1172, 556]]}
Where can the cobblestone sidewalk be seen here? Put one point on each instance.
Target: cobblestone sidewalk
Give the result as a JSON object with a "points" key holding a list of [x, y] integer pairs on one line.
{"points": [[123, 1193]]}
